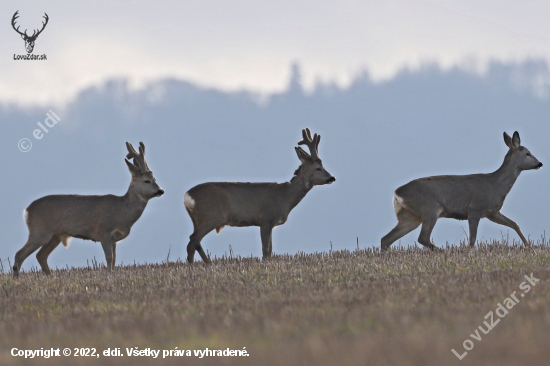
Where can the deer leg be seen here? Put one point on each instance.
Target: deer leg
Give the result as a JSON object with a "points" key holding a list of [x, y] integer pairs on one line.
{"points": [[191, 249], [44, 253], [203, 255], [265, 233], [473, 222], [503, 220], [33, 243], [108, 249], [114, 256], [428, 223], [195, 245], [407, 222]]}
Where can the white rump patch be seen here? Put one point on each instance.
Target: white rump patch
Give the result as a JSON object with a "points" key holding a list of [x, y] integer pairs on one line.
{"points": [[26, 216], [189, 202], [397, 203]]}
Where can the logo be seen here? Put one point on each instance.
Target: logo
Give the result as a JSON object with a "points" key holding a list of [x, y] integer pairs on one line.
{"points": [[51, 120], [25, 145], [29, 40]]}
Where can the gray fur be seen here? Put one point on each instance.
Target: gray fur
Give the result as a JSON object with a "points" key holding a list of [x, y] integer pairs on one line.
{"points": [[106, 219], [267, 205], [462, 197]]}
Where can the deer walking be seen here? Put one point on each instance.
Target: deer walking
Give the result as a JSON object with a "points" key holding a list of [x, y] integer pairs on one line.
{"points": [[107, 219], [462, 197], [267, 205]]}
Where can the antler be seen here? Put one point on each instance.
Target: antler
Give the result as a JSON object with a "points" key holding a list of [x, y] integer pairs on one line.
{"points": [[139, 159], [43, 26], [34, 34], [311, 143], [15, 16]]}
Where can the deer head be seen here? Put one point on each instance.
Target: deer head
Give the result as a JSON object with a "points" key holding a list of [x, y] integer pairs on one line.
{"points": [[519, 156], [143, 181], [29, 40], [312, 167]]}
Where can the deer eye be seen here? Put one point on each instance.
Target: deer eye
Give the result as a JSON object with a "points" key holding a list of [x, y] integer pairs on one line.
{"points": [[528, 154], [147, 181], [318, 169]]}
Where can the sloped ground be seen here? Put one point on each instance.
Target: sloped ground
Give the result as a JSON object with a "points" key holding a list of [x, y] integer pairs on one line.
{"points": [[405, 307]]}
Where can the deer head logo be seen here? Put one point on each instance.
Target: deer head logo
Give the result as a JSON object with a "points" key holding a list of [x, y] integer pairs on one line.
{"points": [[29, 40]]}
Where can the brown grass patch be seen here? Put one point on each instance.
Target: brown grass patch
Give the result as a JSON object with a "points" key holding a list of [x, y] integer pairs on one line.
{"points": [[404, 307]]}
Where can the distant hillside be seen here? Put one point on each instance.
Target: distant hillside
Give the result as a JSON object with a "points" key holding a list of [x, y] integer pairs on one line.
{"points": [[376, 136]]}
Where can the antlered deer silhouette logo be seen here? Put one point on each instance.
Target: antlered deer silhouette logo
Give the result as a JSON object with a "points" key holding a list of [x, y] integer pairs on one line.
{"points": [[29, 40]]}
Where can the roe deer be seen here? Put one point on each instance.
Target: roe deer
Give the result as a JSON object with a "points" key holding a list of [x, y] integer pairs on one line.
{"points": [[267, 205], [107, 219], [462, 197]]}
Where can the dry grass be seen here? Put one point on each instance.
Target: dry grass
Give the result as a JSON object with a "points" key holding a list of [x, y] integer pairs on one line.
{"points": [[404, 307]]}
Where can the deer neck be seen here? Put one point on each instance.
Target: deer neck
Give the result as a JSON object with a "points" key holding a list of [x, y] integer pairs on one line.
{"points": [[506, 175], [298, 187], [133, 203]]}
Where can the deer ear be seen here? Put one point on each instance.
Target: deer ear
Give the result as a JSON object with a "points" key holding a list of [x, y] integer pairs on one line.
{"points": [[515, 140], [133, 169], [508, 140], [302, 155]]}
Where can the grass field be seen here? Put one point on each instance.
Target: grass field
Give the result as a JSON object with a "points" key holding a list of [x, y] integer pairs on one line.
{"points": [[404, 307]]}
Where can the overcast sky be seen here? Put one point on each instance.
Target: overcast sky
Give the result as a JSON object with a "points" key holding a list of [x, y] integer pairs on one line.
{"points": [[236, 44]]}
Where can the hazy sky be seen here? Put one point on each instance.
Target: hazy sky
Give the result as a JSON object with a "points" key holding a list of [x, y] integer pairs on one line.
{"points": [[235, 44]]}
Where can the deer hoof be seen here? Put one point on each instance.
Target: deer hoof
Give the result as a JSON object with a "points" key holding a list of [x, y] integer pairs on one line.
{"points": [[436, 249]]}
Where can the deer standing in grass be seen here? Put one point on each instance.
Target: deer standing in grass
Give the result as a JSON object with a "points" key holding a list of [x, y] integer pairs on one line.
{"points": [[267, 205], [462, 197], [107, 219]]}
